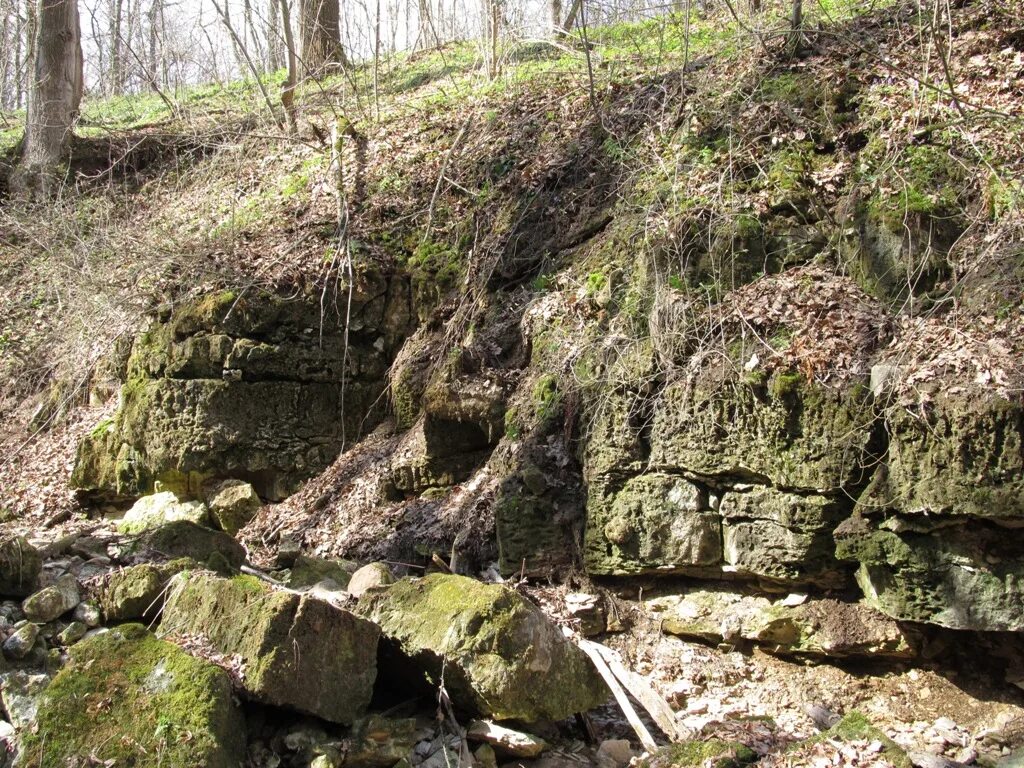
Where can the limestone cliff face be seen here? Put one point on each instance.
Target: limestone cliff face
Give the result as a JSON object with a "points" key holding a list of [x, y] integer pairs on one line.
{"points": [[247, 385]]}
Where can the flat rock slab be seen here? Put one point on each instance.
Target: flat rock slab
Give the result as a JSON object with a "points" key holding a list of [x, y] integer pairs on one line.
{"points": [[298, 651], [499, 655], [821, 628], [127, 698]]}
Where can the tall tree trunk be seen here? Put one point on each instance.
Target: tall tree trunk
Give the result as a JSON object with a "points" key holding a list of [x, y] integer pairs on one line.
{"points": [[55, 91], [116, 82], [152, 62], [320, 22], [556, 17], [275, 56], [288, 92], [427, 38]]}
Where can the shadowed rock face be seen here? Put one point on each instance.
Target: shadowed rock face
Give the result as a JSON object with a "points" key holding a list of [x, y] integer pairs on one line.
{"points": [[249, 386]]}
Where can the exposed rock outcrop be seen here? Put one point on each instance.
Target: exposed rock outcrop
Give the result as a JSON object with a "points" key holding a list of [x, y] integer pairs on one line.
{"points": [[250, 386]]}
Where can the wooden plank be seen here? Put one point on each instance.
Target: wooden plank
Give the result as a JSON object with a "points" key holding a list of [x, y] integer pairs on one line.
{"points": [[656, 706], [646, 740]]}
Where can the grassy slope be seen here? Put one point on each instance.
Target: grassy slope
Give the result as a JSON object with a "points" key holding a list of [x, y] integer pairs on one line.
{"points": [[568, 174]]}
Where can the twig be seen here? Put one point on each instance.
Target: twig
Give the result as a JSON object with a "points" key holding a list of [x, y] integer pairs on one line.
{"points": [[441, 177]]}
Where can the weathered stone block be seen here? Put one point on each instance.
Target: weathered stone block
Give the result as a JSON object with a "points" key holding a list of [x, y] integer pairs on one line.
{"points": [[654, 522], [298, 651], [499, 655]]}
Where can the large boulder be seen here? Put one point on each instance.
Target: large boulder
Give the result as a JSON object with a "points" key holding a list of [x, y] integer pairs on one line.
{"points": [[498, 654], [253, 386], [183, 539], [131, 699], [298, 651], [161, 508], [137, 592], [20, 565]]}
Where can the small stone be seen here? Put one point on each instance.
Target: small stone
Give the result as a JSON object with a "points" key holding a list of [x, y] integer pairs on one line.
{"points": [[88, 613], [587, 609], [20, 643], [232, 504], [72, 633], [515, 743], [485, 757], [615, 752], [369, 577], [380, 742], [53, 601]]}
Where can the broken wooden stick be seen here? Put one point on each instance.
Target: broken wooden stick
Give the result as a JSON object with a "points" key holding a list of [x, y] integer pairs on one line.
{"points": [[649, 699], [591, 649]]}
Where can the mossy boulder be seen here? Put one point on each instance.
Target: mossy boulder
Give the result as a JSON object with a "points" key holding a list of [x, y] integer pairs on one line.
{"points": [[20, 566], [131, 699], [182, 539], [137, 592], [299, 652], [307, 571], [53, 601], [160, 508], [252, 386], [499, 656], [232, 503]]}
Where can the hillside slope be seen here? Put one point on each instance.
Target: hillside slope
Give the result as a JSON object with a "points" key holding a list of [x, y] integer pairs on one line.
{"points": [[649, 314]]}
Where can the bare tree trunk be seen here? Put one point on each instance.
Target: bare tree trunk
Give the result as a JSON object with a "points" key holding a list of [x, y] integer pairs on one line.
{"points": [[54, 95], [319, 21], [556, 17], [288, 92], [275, 57], [116, 82], [794, 40], [427, 38], [574, 11], [152, 18]]}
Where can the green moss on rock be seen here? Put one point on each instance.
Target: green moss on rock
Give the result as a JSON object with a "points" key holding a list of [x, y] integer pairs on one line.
{"points": [[712, 753], [499, 655], [299, 652], [132, 699]]}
